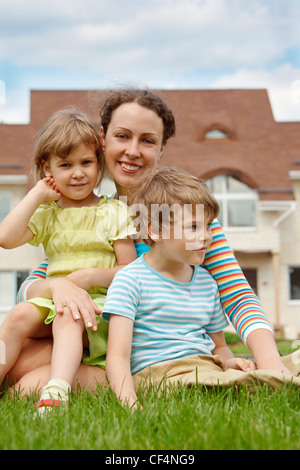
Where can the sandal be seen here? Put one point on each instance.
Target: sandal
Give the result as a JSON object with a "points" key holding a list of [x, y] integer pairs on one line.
{"points": [[47, 402], [46, 405]]}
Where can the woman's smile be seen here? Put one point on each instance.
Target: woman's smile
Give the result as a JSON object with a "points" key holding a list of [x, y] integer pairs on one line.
{"points": [[129, 167]]}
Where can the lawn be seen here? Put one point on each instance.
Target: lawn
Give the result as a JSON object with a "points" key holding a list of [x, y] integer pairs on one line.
{"points": [[186, 419]]}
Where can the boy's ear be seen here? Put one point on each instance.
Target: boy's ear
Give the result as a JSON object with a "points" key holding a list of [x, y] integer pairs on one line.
{"points": [[154, 233], [46, 169]]}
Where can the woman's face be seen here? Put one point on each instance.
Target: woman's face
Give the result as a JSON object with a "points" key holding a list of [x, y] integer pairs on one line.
{"points": [[132, 144]]}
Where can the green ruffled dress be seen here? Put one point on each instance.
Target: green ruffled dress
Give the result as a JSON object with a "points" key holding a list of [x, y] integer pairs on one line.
{"points": [[77, 238]]}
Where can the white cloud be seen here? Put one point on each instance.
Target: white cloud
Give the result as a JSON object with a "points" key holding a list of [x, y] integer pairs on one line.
{"points": [[194, 34], [184, 43]]}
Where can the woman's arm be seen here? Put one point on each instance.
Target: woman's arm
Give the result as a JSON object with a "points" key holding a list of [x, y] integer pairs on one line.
{"points": [[118, 359], [238, 300], [63, 292], [240, 303], [263, 347], [27, 291]]}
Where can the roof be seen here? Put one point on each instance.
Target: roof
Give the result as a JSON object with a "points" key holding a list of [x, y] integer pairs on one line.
{"points": [[256, 149]]}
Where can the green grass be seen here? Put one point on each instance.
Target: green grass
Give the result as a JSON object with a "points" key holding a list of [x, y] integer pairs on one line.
{"points": [[186, 419]]}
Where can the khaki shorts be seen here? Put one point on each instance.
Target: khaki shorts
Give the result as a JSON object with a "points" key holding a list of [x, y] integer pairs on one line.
{"points": [[207, 370]]}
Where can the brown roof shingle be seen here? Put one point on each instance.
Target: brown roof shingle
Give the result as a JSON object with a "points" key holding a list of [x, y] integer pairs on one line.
{"points": [[259, 150]]}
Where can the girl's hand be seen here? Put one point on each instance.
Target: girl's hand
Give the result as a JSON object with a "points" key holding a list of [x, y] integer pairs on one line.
{"points": [[66, 294], [48, 189], [239, 363]]}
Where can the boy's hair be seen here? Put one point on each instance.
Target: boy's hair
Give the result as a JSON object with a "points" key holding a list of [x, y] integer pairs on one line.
{"points": [[144, 97], [169, 186], [61, 134]]}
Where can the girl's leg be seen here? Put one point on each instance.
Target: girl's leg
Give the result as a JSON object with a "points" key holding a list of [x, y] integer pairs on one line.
{"points": [[25, 320], [87, 377], [66, 358], [67, 346]]}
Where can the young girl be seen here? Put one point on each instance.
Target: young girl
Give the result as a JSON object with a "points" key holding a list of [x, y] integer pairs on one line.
{"points": [[79, 230]]}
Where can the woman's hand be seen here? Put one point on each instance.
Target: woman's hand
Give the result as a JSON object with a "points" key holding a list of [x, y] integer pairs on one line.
{"points": [[246, 365]]}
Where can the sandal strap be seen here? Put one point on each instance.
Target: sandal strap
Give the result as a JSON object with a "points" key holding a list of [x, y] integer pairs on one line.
{"points": [[47, 402]]}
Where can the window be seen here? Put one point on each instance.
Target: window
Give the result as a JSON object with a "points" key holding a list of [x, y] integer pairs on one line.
{"points": [[294, 282], [251, 276], [216, 134], [237, 201], [10, 282], [5, 203]]}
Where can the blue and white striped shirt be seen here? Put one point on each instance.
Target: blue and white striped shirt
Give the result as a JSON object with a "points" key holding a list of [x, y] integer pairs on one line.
{"points": [[171, 319]]}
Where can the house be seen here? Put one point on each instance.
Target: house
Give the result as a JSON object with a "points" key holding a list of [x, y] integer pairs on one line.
{"points": [[230, 139]]}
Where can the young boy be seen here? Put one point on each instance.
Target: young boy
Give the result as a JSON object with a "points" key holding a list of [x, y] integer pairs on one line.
{"points": [[164, 307]]}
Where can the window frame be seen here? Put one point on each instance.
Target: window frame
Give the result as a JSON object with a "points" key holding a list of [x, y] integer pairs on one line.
{"points": [[224, 197]]}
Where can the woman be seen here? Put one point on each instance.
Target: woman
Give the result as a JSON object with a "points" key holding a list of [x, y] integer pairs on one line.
{"points": [[136, 126]]}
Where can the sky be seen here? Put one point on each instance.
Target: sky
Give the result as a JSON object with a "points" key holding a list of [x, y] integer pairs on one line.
{"points": [[164, 44]]}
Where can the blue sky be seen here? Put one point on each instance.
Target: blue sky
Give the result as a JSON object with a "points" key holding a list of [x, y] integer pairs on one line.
{"points": [[165, 44]]}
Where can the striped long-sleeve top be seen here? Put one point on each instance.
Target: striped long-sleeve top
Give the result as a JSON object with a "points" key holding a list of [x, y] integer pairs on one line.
{"points": [[239, 302]]}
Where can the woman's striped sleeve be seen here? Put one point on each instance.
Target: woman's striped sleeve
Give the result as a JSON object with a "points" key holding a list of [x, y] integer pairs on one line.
{"points": [[238, 299], [37, 274]]}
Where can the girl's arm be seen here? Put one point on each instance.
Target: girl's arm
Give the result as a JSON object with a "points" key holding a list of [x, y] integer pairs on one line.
{"points": [[72, 290], [240, 303], [118, 359], [228, 358], [14, 231], [86, 278], [36, 285]]}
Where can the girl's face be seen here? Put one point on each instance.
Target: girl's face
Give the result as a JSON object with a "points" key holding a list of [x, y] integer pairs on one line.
{"points": [[132, 144], [75, 176]]}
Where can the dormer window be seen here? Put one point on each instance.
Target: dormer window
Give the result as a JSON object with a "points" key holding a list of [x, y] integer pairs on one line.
{"points": [[216, 134]]}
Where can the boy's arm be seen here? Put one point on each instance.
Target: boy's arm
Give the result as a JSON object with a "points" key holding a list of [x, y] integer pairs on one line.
{"points": [[118, 359], [228, 358]]}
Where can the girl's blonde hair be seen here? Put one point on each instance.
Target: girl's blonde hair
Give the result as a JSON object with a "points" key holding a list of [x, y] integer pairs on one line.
{"points": [[61, 134], [169, 186]]}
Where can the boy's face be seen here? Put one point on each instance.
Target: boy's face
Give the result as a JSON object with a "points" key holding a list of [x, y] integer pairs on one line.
{"points": [[190, 235]]}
